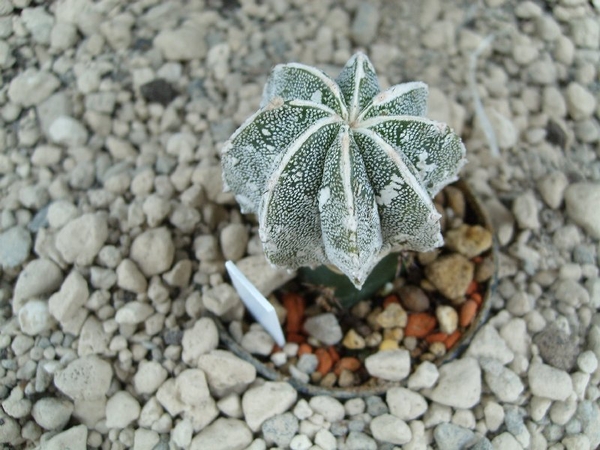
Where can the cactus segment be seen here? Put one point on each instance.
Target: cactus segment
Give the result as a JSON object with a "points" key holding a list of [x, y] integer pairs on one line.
{"points": [[406, 99], [408, 217], [249, 156], [349, 216], [300, 82], [358, 83], [290, 225], [339, 173], [432, 147]]}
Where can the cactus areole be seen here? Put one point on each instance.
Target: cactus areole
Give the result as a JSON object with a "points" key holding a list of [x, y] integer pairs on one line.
{"points": [[338, 172]]}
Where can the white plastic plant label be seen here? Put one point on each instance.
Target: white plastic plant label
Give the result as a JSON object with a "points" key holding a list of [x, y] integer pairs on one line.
{"points": [[257, 304]]}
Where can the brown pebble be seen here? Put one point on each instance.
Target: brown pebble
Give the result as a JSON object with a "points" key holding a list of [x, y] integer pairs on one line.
{"points": [[361, 309], [484, 270], [451, 275], [468, 240], [328, 380], [425, 258], [455, 200], [346, 379], [413, 298]]}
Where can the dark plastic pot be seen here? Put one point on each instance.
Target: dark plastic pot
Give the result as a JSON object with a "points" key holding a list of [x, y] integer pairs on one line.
{"points": [[475, 215]]}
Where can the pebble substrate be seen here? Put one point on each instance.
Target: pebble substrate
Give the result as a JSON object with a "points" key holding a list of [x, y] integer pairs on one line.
{"points": [[114, 228]]}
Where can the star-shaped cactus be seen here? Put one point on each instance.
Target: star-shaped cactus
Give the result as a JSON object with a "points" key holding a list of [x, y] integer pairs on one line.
{"points": [[338, 172]]}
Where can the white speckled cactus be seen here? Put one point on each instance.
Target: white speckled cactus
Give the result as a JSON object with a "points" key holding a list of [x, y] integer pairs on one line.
{"points": [[338, 172]]}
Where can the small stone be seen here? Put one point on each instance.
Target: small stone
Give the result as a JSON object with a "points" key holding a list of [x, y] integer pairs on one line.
{"points": [[459, 384], [425, 376], [52, 413], [221, 299], [226, 372], [325, 328], [300, 442], [502, 381], [581, 103], [392, 316], [265, 401], [488, 343], [330, 408], [258, 342], [365, 24], [32, 87], [586, 32], [581, 200], [153, 251], [10, 431], [39, 277], [353, 340], [448, 436], [447, 319], [121, 409], [413, 298], [549, 382], [133, 313], [149, 377], [451, 275], [69, 301], [587, 362], [263, 275], [16, 405], [389, 428], [230, 434], [86, 378], [552, 188], [280, 429], [556, 347], [469, 241], [74, 438], [234, 238], [405, 404], [174, 44], [130, 278], [391, 365], [357, 440], [67, 131], [34, 317], [15, 245], [80, 240], [526, 211], [202, 338], [158, 91], [494, 415]]}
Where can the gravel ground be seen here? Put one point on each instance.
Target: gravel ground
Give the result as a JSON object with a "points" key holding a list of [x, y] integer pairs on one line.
{"points": [[114, 228]]}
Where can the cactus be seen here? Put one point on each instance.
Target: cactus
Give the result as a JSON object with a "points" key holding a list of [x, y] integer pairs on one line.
{"points": [[338, 172]]}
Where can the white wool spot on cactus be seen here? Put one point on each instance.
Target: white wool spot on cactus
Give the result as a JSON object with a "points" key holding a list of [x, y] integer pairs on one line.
{"points": [[324, 196], [316, 97], [265, 132], [390, 191]]}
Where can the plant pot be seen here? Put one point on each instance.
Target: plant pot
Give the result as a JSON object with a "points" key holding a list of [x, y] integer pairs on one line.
{"points": [[474, 214]]}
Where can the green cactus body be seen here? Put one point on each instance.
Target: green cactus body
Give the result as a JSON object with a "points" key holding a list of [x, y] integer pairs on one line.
{"points": [[338, 172]]}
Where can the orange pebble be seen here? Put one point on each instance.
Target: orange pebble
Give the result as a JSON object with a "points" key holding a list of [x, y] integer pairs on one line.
{"points": [[295, 337], [335, 357], [347, 363], [325, 362], [294, 304], [452, 339], [436, 337], [304, 348], [472, 287], [467, 312], [477, 259], [420, 325], [393, 298], [476, 297]]}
